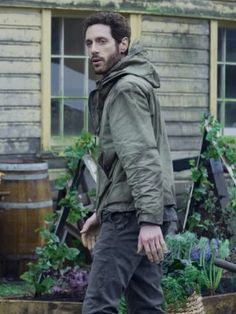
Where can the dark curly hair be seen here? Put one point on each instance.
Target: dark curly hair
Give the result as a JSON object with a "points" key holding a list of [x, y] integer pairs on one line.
{"points": [[118, 23]]}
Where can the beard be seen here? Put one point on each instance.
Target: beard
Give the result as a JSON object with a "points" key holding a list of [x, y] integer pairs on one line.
{"points": [[108, 64]]}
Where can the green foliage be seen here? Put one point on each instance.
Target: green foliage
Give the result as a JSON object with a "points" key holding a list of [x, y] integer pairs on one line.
{"points": [[14, 288], [190, 267], [208, 218], [77, 210], [211, 273], [232, 199], [179, 285], [180, 245], [54, 254], [122, 306], [84, 144], [181, 278]]}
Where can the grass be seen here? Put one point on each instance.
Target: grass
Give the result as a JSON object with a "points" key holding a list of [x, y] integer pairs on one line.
{"points": [[14, 288]]}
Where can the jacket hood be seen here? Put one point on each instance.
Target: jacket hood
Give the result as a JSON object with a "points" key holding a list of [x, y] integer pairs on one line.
{"points": [[135, 63]]}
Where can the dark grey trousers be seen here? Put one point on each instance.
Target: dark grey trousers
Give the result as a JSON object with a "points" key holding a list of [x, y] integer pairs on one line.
{"points": [[118, 270]]}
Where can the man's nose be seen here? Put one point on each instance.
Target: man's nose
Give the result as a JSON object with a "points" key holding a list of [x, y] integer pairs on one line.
{"points": [[94, 48]]}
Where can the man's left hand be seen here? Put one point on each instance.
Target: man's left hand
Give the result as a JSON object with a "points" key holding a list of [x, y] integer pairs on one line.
{"points": [[151, 241]]}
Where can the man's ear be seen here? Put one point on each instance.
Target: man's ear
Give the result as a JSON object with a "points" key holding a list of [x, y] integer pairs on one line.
{"points": [[124, 45]]}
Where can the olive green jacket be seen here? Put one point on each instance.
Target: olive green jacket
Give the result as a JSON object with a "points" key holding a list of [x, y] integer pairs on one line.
{"points": [[134, 165]]}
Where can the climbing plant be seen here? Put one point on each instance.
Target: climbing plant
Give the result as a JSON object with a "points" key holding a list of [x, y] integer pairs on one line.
{"points": [[208, 218]]}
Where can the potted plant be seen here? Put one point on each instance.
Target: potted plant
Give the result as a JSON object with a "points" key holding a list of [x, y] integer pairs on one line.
{"points": [[189, 270]]}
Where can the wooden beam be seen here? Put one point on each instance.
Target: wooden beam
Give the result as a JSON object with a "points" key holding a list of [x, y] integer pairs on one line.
{"points": [[136, 25], [200, 9], [46, 80], [213, 67]]}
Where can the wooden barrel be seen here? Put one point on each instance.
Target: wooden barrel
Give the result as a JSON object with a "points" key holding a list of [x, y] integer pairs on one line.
{"points": [[22, 212]]}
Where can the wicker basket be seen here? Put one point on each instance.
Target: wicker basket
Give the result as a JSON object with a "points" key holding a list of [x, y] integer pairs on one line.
{"points": [[194, 306]]}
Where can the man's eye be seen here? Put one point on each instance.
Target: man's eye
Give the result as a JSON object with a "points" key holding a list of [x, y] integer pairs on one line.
{"points": [[102, 41]]}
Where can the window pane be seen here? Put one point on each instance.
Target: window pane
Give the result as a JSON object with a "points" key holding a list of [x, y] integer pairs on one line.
{"points": [[231, 45], [230, 81], [230, 114], [56, 29], [55, 105], [219, 80], [55, 70], [73, 116], [220, 44], [74, 77], [219, 112], [74, 42]]}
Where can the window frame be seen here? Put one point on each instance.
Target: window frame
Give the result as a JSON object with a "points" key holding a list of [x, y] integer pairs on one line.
{"points": [[215, 25], [47, 143], [62, 139]]}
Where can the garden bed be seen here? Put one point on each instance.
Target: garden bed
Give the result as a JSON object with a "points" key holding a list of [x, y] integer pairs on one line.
{"points": [[220, 304], [19, 306]]}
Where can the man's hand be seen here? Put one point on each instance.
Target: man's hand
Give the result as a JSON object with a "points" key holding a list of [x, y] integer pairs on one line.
{"points": [[90, 231], [151, 241]]}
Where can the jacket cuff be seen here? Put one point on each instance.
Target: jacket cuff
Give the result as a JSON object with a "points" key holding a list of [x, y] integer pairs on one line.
{"points": [[149, 219]]}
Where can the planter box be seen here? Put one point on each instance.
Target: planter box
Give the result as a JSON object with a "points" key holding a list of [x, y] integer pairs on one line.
{"points": [[220, 304], [15, 306]]}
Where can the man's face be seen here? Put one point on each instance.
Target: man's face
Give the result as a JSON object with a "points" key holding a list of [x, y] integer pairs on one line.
{"points": [[102, 48]]}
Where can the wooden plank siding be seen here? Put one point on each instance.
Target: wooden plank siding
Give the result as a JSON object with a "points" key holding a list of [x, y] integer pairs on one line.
{"points": [[205, 9], [179, 47], [20, 81]]}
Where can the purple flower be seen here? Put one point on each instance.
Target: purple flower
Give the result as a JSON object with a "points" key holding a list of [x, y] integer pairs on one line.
{"points": [[57, 289], [207, 253], [195, 254]]}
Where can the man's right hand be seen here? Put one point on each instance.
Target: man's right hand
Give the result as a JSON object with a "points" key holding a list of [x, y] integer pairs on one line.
{"points": [[90, 231]]}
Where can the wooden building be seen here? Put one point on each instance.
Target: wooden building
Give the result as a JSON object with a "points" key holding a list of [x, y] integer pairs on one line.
{"points": [[45, 76]]}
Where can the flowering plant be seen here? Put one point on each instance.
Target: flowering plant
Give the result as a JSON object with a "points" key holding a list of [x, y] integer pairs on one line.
{"points": [[204, 253], [190, 267], [72, 282]]}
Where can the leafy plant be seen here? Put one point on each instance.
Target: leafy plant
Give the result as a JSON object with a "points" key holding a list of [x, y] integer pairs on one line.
{"points": [[70, 282], [14, 288], [208, 218], [52, 255], [77, 210], [84, 144], [190, 267], [122, 306], [204, 253], [180, 284]]}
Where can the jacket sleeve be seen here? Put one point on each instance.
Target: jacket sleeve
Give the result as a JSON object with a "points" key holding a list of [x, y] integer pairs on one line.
{"points": [[135, 144]]}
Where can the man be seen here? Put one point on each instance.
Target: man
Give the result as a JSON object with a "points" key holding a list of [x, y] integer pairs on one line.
{"points": [[135, 178]]}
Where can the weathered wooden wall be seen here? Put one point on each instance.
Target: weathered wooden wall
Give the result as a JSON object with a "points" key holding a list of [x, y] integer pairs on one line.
{"points": [[180, 50], [219, 9], [20, 68]]}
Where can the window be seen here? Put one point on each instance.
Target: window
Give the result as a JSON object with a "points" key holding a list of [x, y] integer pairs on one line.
{"points": [[72, 80], [226, 89]]}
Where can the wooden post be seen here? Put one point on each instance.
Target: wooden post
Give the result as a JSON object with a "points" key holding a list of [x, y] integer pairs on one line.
{"points": [[135, 24], [46, 80], [213, 68]]}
